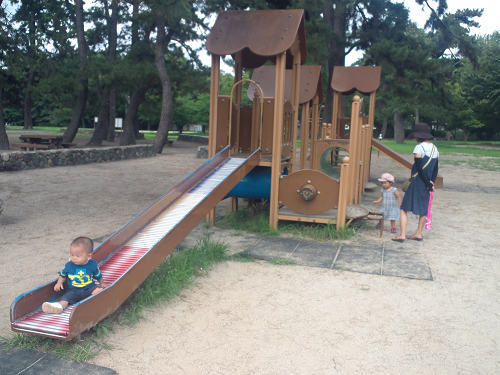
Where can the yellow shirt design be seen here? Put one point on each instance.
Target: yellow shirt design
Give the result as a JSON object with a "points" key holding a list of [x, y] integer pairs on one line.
{"points": [[80, 279]]}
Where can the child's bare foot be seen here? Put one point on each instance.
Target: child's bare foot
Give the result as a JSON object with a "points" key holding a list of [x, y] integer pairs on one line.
{"points": [[52, 308]]}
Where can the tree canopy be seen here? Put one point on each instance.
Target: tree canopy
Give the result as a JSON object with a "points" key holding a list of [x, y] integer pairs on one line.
{"points": [[63, 64]]}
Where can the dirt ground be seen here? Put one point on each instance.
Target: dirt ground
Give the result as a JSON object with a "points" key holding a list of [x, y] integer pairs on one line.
{"points": [[260, 318]]}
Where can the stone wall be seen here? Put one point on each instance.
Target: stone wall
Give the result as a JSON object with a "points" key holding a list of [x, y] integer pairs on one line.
{"points": [[22, 160], [193, 138]]}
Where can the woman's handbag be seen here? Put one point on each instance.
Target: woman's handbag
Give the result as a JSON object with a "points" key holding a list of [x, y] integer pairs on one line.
{"points": [[408, 182]]}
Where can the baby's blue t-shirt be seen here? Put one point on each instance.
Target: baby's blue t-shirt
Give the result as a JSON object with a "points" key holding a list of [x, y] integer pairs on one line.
{"points": [[81, 277]]}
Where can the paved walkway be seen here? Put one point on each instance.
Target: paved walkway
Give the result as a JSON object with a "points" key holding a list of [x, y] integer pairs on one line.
{"points": [[30, 362], [387, 258]]}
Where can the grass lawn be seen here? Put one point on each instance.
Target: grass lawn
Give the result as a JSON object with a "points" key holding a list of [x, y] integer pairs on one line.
{"points": [[147, 134], [449, 147], [484, 158], [444, 147]]}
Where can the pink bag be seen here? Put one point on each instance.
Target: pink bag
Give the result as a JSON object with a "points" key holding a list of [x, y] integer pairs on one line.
{"points": [[428, 218]]}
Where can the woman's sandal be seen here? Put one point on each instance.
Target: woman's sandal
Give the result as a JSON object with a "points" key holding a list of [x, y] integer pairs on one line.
{"points": [[398, 240], [415, 238]]}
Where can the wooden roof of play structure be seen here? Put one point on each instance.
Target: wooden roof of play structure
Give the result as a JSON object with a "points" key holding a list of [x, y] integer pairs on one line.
{"points": [[347, 80], [310, 82], [259, 35]]}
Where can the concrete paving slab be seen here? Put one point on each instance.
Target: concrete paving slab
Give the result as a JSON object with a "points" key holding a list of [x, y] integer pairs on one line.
{"points": [[407, 246], [15, 360], [32, 362], [314, 254], [411, 265], [362, 257], [269, 248]]}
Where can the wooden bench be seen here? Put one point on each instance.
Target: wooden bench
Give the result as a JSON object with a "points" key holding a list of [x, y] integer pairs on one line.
{"points": [[26, 146], [68, 145]]}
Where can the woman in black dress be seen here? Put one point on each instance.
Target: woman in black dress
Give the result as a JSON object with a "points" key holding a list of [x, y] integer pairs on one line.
{"points": [[425, 170]]}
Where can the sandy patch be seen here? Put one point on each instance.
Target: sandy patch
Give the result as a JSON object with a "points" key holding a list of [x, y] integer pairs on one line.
{"points": [[258, 318]]}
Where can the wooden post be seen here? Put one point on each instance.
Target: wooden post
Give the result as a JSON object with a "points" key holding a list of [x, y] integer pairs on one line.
{"points": [[314, 127], [256, 115], [238, 75], [295, 105], [212, 119], [371, 122], [251, 206], [279, 95], [343, 193], [235, 131], [337, 99], [367, 151], [363, 151], [214, 91], [354, 139], [304, 135], [234, 204]]}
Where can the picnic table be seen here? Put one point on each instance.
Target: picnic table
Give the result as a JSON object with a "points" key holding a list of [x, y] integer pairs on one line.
{"points": [[42, 141]]}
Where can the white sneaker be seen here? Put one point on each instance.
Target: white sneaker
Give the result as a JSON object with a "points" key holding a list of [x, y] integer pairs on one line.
{"points": [[52, 308]]}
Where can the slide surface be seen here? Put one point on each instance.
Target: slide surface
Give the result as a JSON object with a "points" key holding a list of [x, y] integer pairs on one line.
{"points": [[390, 153], [133, 252]]}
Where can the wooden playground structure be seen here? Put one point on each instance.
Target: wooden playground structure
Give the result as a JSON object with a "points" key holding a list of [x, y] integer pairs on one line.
{"points": [[338, 164]]}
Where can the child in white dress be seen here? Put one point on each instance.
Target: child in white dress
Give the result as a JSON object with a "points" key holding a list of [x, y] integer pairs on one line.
{"points": [[391, 200]]}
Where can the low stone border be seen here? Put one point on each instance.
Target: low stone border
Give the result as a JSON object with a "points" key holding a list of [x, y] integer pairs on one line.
{"points": [[193, 138], [22, 160]]}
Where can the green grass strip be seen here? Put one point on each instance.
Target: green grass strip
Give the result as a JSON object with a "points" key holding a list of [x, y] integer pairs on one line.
{"points": [[258, 223], [83, 350], [174, 274], [448, 148]]}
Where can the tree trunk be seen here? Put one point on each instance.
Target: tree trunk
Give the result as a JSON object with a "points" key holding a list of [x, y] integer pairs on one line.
{"points": [[138, 94], [335, 21], [77, 117], [135, 21], [136, 98], [166, 99], [417, 116], [137, 133], [81, 101], [101, 129], [399, 132], [4, 140], [113, 38], [28, 120], [384, 126], [112, 116], [466, 135]]}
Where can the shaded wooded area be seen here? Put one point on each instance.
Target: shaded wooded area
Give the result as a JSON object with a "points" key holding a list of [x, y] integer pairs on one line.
{"points": [[64, 64]]}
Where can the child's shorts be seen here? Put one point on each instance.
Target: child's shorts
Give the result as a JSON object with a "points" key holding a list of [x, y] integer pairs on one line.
{"points": [[74, 295]]}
